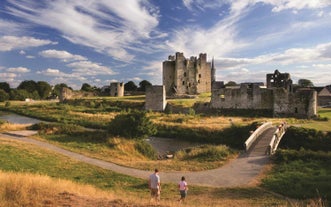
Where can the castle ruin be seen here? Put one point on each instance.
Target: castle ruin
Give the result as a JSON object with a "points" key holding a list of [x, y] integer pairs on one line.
{"points": [[155, 98], [182, 76], [116, 89], [278, 97]]}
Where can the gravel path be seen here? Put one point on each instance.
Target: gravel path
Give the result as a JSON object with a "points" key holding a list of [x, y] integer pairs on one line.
{"points": [[239, 172]]}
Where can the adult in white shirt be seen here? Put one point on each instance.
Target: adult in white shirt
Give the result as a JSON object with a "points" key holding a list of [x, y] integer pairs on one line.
{"points": [[155, 185]]}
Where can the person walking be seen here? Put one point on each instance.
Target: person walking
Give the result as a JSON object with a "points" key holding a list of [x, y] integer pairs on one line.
{"points": [[183, 188], [155, 186]]}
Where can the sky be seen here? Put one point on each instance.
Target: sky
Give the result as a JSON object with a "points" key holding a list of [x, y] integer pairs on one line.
{"points": [[103, 41]]}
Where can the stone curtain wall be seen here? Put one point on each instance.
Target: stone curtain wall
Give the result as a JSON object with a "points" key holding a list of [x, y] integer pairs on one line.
{"points": [[244, 97]]}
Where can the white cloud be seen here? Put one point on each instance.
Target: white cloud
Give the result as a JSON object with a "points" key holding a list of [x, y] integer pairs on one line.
{"points": [[60, 54], [8, 76], [320, 52], [88, 68], [127, 22], [9, 27], [280, 5], [8, 43], [19, 70]]}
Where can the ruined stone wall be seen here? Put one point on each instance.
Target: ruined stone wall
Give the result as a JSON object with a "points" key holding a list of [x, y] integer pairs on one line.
{"points": [[186, 76], [67, 94], [301, 104], [155, 98], [247, 96], [117, 89]]}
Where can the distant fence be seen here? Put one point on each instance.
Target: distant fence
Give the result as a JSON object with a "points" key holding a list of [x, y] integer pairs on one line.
{"points": [[278, 135], [256, 134]]}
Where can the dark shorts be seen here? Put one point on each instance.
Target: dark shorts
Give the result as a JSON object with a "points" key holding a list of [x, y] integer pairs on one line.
{"points": [[155, 192], [183, 193]]}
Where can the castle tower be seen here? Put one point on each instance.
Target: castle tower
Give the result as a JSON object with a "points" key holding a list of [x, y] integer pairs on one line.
{"points": [[182, 76]]}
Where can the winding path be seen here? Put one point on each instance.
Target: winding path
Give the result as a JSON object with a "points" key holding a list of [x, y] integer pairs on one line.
{"points": [[239, 172]]}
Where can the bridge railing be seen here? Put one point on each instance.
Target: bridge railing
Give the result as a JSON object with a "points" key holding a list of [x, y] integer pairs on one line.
{"points": [[278, 135], [256, 134]]}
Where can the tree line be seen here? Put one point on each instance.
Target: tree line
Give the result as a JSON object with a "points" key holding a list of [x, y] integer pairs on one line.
{"points": [[42, 90]]}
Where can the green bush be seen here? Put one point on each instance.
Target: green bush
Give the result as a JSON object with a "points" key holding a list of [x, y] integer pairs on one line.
{"points": [[304, 174], [56, 128], [302, 154], [146, 149], [134, 124], [233, 136], [7, 104], [204, 153], [310, 139]]}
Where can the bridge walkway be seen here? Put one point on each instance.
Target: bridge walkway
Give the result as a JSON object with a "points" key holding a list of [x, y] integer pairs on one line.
{"points": [[260, 146]]}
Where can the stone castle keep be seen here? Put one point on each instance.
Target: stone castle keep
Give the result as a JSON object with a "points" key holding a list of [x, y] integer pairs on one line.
{"points": [[182, 76]]}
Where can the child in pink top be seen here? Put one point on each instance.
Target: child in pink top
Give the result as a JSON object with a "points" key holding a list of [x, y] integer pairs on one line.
{"points": [[182, 185]]}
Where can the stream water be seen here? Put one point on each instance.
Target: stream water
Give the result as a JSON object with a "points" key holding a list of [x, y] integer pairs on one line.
{"points": [[162, 145], [18, 119]]}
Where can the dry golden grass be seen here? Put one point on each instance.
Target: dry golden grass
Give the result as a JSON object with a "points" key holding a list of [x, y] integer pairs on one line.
{"points": [[206, 122], [27, 190], [37, 190], [12, 127]]}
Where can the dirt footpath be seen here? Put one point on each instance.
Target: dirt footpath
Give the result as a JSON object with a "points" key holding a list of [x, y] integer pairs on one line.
{"points": [[238, 172]]}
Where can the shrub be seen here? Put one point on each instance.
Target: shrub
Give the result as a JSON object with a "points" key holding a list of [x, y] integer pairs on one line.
{"points": [[297, 137], [204, 153], [55, 128], [134, 124], [146, 149], [233, 136], [8, 104], [304, 174]]}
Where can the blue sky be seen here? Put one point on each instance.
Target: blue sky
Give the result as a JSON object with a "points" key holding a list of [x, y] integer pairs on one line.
{"points": [[102, 41]]}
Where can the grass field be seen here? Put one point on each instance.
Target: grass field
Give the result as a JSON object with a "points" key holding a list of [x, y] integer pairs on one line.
{"points": [[25, 158], [97, 113]]}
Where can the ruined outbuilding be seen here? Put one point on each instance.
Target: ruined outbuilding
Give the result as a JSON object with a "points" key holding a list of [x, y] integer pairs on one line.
{"points": [[67, 94], [155, 98], [116, 89], [182, 76], [278, 97]]}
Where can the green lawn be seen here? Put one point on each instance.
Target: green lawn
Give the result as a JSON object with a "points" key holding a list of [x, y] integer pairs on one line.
{"points": [[20, 157]]}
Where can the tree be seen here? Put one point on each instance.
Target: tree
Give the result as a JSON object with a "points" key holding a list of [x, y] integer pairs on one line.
{"points": [[135, 124], [44, 89], [130, 86], [231, 83], [3, 95], [305, 83], [57, 89], [5, 86], [30, 86], [86, 87], [31, 89], [143, 85], [20, 95]]}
